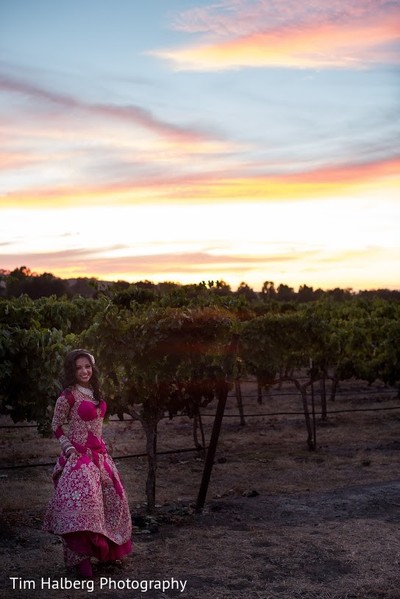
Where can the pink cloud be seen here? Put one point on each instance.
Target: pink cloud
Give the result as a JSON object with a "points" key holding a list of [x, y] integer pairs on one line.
{"points": [[244, 17], [94, 262], [291, 34], [213, 186], [133, 114], [15, 160]]}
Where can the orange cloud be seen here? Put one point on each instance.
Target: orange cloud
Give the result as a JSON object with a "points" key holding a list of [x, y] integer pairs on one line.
{"points": [[207, 187], [14, 160], [96, 262], [353, 44], [317, 267]]}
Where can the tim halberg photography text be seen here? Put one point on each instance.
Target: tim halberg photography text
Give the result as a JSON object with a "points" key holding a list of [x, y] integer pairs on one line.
{"points": [[103, 583]]}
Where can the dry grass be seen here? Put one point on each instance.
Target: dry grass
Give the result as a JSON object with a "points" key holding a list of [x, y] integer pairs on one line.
{"points": [[319, 525]]}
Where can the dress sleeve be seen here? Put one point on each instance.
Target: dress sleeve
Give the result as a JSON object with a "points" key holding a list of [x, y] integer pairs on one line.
{"points": [[61, 415]]}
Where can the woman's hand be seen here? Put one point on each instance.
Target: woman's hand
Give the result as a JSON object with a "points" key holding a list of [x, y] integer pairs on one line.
{"points": [[71, 452]]}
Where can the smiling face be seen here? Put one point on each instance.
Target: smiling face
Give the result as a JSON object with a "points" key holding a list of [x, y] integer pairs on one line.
{"points": [[83, 371]]}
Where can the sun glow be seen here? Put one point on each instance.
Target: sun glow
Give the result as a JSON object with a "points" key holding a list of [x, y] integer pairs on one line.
{"points": [[249, 241]]}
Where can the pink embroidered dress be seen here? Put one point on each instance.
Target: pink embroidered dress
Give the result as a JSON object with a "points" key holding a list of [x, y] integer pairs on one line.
{"points": [[89, 508]]}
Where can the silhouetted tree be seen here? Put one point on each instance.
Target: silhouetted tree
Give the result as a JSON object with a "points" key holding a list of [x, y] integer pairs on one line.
{"points": [[305, 293], [268, 290], [285, 293], [245, 291]]}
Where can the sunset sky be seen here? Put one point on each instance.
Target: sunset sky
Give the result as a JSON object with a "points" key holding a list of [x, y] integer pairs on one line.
{"points": [[190, 140]]}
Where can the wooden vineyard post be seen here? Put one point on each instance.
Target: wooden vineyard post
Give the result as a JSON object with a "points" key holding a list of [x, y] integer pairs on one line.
{"points": [[314, 424], [222, 396], [322, 386], [239, 399]]}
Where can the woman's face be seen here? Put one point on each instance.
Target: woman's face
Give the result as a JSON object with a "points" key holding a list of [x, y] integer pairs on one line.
{"points": [[83, 371]]}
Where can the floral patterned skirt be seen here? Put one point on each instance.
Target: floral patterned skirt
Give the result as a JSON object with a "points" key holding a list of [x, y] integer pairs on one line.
{"points": [[89, 508]]}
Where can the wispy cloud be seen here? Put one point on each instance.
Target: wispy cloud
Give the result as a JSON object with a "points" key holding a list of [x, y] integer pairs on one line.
{"points": [[242, 17], [56, 145], [266, 33], [130, 114], [15, 160], [315, 266], [101, 262], [211, 186]]}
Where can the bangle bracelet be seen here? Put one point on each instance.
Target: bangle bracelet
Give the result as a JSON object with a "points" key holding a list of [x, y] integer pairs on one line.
{"points": [[66, 444]]}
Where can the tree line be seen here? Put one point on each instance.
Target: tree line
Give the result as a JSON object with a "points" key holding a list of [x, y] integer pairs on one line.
{"points": [[22, 281]]}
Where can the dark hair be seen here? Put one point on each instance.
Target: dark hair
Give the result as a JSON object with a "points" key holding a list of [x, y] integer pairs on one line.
{"points": [[69, 379]]}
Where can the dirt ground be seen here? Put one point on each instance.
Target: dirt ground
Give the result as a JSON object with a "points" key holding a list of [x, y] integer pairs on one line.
{"points": [[279, 521]]}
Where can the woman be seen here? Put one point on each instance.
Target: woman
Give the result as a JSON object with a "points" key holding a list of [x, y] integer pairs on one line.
{"points": [[89, 508]]}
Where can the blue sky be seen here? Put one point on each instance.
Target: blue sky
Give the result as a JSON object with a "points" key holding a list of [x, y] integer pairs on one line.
{"points": [[167, 140]]}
